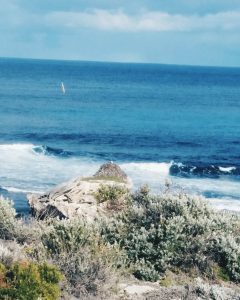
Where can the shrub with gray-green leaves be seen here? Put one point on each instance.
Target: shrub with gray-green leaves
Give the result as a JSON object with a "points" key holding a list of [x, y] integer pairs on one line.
{"points": [[88, 263], [175, 231], [12, 228], [7, 219]]}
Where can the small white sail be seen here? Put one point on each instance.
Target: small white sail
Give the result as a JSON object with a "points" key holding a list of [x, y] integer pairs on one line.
{"points": [[63, 88]]}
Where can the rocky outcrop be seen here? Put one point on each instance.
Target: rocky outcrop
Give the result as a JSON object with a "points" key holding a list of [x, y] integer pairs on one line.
{"points": [[111, 170], [76, 198]]}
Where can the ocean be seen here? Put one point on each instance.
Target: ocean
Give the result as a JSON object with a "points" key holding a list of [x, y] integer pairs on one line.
{"points": [[158, 122]]}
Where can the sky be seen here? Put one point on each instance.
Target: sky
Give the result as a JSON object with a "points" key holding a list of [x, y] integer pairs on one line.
{"points": [[187, 32]]}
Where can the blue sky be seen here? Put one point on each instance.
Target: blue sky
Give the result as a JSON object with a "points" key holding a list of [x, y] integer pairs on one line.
{"points": [[198, 32]]}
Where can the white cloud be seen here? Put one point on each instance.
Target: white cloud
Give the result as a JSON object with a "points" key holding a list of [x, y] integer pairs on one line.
{"points": [[145, 21], [14, 16], [98, 19]]}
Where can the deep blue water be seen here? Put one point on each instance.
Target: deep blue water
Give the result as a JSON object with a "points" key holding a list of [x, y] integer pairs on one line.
{"points": [[157, 121]]}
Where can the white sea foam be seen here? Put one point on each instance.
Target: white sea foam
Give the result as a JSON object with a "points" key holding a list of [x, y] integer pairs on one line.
{"points": [[225, 204], [152, 174], [24, 169], [227, 169], [18, 190], [16, 147], [161, 169]]}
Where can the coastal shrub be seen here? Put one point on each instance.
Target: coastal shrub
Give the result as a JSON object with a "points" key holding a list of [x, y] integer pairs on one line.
{"points": [[29, 231], [10, 252], [89, 264], [7, 219], [175, 231], [29, 281], [115, 196], [12, 228], [226, 252]]}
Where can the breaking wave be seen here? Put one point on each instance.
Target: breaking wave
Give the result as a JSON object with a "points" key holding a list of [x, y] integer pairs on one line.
{"points": [[51, 151], [29, 167], [212, 171]]}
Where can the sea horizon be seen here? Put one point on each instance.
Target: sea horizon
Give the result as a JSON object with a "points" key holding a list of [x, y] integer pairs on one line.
{"points": [[120, 62]]}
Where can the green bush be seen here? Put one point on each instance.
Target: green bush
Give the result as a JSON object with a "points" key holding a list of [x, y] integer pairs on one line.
{"points": [[88, 264], [175, 231], [115, 196], [29, 281]]}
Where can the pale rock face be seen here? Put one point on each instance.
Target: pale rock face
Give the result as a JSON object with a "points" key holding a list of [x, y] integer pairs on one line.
{"points": [[74, 199]]}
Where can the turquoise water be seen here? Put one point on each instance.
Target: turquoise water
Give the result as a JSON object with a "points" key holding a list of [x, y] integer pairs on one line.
{"points": [[157, 121]]}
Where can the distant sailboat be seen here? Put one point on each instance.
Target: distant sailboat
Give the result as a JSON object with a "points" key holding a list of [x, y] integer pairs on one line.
{"points": [[63, 88]]}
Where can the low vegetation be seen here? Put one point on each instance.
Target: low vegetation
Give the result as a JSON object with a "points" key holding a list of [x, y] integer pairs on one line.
{"points": [[147, 236], [176, 232], [29, 281], [87, 262], [116, 197], [7, 219]]}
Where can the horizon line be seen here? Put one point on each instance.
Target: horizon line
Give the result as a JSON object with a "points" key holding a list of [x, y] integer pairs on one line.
{"points": [[121, 62]]}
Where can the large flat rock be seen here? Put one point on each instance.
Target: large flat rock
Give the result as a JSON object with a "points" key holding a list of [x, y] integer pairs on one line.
{"points": [[75, 198]]}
